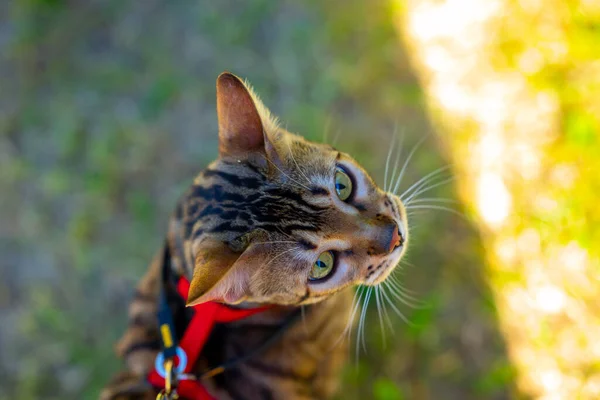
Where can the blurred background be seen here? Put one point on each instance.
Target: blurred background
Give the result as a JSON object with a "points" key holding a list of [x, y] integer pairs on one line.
{"points": [[107, 111]]}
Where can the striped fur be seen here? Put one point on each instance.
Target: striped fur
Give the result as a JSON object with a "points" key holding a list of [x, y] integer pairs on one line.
{"points": [[248, 232]]}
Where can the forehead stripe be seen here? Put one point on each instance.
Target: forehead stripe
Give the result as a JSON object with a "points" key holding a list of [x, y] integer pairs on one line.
{"points": [[319, 191], [247, 182]]}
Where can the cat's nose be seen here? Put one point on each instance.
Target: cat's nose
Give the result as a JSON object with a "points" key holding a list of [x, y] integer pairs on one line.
{"points": [[387, 239], [396, 238]]}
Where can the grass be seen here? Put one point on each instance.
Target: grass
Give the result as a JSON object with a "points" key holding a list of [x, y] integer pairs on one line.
{"points": [[107, 112]]}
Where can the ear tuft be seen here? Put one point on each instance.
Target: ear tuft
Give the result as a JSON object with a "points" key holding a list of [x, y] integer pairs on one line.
{"points": [[240, 125]]}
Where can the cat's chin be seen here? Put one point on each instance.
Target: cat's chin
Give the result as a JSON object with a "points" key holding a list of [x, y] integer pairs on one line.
{"points": [[387, 267]]}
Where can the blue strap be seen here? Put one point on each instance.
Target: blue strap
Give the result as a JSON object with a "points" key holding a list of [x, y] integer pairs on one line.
{"points": [[168, 335]]}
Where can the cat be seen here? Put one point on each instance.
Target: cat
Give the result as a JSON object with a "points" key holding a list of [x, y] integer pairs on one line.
{"points": [[275, 220]]}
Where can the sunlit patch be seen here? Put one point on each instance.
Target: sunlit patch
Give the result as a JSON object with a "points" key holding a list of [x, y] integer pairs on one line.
{"points": [[506, 250], [486, 68], [529, 242], [550, 379], [493, 199], [573, 257], [564, 175], [550, 299], [531, 61]]}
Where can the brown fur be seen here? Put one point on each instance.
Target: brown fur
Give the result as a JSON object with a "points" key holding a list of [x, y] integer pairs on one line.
{"points": [[248, 232]]}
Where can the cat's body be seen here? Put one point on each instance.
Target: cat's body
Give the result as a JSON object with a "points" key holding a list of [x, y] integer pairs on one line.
{"points": [[275, 220], [302, 364]]}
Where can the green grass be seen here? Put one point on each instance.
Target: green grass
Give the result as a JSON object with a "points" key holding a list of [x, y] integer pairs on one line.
{"points": [[108, 113]]}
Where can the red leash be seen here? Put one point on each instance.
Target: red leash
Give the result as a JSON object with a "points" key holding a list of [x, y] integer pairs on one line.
{"points": [[206, 315]]}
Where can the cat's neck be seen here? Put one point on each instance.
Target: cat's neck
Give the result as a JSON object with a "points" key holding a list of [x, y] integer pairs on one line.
{"points": [[306, 353]]}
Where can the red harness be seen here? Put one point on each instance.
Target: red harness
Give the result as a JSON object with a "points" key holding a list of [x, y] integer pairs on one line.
{"points": [[195, 336]]}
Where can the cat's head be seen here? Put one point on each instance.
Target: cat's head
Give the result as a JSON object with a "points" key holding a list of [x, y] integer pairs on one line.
{"points": [[282, 220]]}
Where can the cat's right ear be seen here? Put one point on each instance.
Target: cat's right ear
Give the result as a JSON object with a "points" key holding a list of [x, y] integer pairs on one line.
{"points": [[240, 125], [223, 275], [213, 263]]}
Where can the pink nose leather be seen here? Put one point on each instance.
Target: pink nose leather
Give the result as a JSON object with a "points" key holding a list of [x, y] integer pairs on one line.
{"points": [[396, 240]]}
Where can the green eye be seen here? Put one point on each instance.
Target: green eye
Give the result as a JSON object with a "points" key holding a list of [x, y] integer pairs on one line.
{"points": [[322, 267], [343, 184]]}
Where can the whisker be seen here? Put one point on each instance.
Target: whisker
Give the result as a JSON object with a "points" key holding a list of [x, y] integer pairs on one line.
{"points": [[410, 155], [360, 291], [400, 296], [381, 327], [360, 335], [418, 188], [358, 330], [411, 294], [408, 263], [303, 314], [428, 188], [400, 271], [406, 293], [397, 161], [437, 207], [326, 129], [391, 303], [424, 179], [294, 160], [385, 313], [351, 315], [279, 241], [431, 199], [336, 137], [387, 163], [289, 177], [281, 254]]}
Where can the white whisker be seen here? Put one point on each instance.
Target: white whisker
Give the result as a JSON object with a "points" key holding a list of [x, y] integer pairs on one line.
{"points": [[410, 155], [406, 262], [431, 199], [403, 298], [437, 207], [387, 164], [336, 137], [397, 161], [407, 292], [423, 184], [391, 303], [303, 313], [326, 129], [297, 166], [289, 177], [360, 293], [426, 189], [353, 309], [385, 313], [279, 241], [360, 339], [281, 254], [424, 179], [379, 312]]}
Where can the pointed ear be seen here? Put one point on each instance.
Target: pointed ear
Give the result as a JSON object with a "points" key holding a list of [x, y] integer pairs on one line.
{"points": [[240, 126], [213, 262], [223, 275]]}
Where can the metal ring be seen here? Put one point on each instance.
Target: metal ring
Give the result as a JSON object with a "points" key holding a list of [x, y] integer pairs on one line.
{"points": [[159, 363]]}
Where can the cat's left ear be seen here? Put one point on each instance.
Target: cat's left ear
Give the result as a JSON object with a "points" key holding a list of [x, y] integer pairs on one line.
{"points": [[245, 124], [240, 126]]}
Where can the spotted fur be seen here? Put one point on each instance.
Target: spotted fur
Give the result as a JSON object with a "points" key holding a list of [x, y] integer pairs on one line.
{"points": [[247, 232]]}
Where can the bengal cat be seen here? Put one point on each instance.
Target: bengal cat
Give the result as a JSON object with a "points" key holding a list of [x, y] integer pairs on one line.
{"points": [[274, 220]]}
